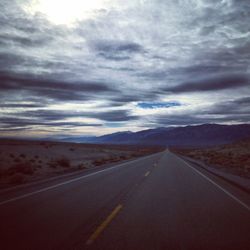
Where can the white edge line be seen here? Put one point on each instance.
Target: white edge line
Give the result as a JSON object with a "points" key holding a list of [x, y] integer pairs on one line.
{"points": [[72, 180], [218, 186]]}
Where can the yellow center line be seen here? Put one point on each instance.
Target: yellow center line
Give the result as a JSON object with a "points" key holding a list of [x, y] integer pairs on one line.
{"points": [[147, 173], [105, 223]]}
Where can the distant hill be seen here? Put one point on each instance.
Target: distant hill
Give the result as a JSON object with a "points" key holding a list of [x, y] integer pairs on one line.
{"points": [[200, 135]]}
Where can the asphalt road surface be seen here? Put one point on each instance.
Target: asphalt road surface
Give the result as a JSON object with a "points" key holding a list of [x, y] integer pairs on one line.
{"points": [[156, 202]]}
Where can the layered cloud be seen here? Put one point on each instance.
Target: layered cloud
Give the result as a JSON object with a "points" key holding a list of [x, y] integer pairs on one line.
{"points": [[121, 65], [207, 83]]}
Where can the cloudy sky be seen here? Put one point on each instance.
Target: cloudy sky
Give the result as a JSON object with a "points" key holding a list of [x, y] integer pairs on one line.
{"points": [[78, 67]]}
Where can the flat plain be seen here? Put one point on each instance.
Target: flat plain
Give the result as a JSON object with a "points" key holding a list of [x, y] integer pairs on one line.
{"points": [[23, 161]]}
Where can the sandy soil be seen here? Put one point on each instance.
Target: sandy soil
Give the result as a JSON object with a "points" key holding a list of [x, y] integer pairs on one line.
{"points": [[233, 158], [26, 161]]}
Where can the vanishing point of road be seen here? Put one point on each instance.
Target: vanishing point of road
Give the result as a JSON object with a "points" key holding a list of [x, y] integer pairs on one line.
{"points": [[156, 202]]}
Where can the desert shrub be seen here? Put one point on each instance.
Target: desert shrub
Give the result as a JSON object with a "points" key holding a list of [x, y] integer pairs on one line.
{"points": [[23, 168], [52, 164], [11, 155], [45, 145], [134, 154], [36, 156], [116, 158], [81, 166], [17, 178], [22, 155], [112, 158], [123, 157], [32, 160], [243, 158], [63, 162], [72, 149], [99, 162], [17, 160]]}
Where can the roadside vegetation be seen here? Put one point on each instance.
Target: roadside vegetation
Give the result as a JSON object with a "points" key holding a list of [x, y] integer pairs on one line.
{"points": [[26, 161], [233, 158]]}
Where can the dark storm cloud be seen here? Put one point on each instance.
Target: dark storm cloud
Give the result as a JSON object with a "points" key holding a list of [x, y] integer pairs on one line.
{"points": [[54, 115], [14, 122], [211, 84], [52, 88], [115, 116], [207, 69], [126, 98], [21, 105], [24, 41], [117, 47], [116, 50], [8, 60], [132, 96], [56, 118], [237, 110], [243, 101], [13, 129], [240, 106]]}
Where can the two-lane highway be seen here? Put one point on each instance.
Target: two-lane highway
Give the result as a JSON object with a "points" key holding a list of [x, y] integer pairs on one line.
{"points": [[156, 202]]}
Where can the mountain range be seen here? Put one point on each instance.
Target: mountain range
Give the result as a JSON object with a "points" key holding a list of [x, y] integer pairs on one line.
{"points": [[199, 135]]}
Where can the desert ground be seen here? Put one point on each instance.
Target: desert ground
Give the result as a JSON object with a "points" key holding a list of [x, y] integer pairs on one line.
{"points": [[233, 158], [26, 161]]}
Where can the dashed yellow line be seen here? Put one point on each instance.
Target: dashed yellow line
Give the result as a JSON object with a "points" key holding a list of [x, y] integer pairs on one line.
{"points": [[147, 173], [105, 223]]}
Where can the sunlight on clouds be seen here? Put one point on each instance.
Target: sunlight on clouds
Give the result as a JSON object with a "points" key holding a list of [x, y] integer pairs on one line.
{"points": [[84, 120], [67, 11], [76, 106], [102, 66]]}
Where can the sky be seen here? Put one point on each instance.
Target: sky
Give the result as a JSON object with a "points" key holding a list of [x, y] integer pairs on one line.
{"points": [[76, 67]]}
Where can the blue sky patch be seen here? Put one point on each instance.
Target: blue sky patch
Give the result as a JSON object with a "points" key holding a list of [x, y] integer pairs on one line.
{"points": [[157, 105]]}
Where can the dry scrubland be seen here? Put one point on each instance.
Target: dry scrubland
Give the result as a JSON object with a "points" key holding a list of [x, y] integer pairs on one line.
{"points": [[233, 158], [25, 161]]}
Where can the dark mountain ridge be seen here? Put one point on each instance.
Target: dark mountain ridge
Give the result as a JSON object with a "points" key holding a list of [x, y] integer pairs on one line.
{"points": [[199, 135]]}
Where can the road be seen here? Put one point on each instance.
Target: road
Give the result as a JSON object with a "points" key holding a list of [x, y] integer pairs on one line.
{"points": [[156, 202]]}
